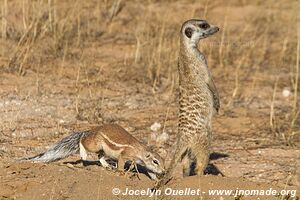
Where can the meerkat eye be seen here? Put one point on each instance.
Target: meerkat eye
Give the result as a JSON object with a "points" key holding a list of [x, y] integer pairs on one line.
{"points": [[188, 32], [155, 162], [204, 26]]}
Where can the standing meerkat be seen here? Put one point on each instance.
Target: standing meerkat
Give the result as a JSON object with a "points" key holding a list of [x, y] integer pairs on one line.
{"points": [[109, 141], [198, 100]]}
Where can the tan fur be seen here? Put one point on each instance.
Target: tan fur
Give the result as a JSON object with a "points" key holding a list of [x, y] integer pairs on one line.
{"points": [[115, 142], [198, 100]]}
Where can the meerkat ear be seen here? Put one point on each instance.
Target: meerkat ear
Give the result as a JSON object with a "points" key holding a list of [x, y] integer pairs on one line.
{"points": [[188, 32]]}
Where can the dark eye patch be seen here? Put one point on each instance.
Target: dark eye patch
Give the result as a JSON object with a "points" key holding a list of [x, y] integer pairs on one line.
{"points": [[155, 162], [204, 25], [188, 32]]}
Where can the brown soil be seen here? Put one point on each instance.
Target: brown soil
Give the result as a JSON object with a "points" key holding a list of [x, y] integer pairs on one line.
{"points": [[123, 70]]}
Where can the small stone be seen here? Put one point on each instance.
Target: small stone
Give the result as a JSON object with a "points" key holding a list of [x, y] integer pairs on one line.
{"points": [[286, 92], [163, 137], [156, 126]]}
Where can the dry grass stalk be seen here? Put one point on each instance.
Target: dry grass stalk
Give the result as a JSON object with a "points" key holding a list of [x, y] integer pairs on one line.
{"points": [[205, 9], [158, 57], [78, 28], [224, 29], [137, 50], [115, 9], [272, 113], [77, 91], [295, 109], [50, 16], [25, 13], [297, 71], [4, 19]]}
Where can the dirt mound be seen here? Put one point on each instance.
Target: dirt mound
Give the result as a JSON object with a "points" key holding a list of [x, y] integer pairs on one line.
{"points": [[66, 181]]}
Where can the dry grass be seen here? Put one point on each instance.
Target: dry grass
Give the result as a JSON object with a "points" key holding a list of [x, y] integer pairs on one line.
{"points": [[245, 56]]}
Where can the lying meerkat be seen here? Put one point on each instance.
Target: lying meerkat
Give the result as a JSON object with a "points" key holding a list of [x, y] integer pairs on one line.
{"points": [[109, 142]]}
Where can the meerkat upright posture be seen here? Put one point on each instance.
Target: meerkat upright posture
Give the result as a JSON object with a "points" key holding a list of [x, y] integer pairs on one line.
{"points": [[198, 101], [109, 141]]}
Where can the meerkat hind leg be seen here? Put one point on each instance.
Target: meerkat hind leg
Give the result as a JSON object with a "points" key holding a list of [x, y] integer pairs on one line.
{"points": [[186, 166], [186, 162], [202, 159]]}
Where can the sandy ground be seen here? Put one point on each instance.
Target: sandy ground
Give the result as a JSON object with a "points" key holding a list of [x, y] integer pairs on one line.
{"points": [[100, 82]]}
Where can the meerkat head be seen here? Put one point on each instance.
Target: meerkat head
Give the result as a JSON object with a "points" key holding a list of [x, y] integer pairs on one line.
{"points": [[153, 162], [195, 29]]}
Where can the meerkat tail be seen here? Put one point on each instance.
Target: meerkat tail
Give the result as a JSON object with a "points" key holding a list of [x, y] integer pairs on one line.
{"points": [[62, 149]]}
